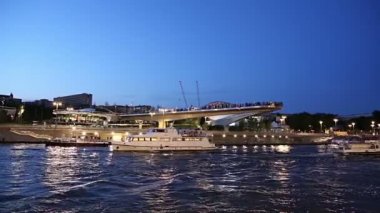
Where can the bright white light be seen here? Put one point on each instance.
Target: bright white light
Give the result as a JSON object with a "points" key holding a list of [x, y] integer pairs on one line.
{"points": [[283, 148]]}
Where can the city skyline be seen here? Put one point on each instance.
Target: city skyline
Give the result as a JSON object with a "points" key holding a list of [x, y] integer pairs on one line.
{"points": [[313, 56]]}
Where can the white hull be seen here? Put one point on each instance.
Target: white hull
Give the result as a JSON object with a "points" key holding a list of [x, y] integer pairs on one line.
{"points": [[167, 139], [168, 146], [360, 149]]}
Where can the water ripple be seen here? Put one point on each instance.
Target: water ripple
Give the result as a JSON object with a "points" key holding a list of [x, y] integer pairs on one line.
{"points": [[289, 179]]}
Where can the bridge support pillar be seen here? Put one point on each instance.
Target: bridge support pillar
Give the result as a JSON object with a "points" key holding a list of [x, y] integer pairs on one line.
{"points": [[226, 128], [161, 124], [140, 125]]}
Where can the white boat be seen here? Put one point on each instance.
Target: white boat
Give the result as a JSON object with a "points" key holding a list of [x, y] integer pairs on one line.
{"points": [[339, 141], [346, 139], [371, 139], [359, 148], [323, 139], [168, 139]]}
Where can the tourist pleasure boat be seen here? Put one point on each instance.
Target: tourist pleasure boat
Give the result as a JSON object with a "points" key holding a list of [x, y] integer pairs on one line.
{"points": [[168, 139], [339, 141], [346, 139], [372, 148]]}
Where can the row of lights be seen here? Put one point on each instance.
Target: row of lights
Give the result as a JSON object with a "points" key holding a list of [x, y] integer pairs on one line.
{"points": [[350, 125], [84, 133], [335, 121], [256, 136]]}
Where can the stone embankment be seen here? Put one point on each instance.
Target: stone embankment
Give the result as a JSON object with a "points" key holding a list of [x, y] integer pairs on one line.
{"points": [[9, 136], [41, 134]]}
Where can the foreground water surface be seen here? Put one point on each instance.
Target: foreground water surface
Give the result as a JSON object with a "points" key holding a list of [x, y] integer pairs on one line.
{"points": [[300, 178]]}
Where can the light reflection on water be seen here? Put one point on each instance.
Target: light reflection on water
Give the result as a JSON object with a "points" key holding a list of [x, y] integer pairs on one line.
{"points": [[271, 178], [62, 168]]}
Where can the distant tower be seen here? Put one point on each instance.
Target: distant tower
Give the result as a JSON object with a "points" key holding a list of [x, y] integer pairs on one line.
{"points": [[199, 100], [11, 96]]}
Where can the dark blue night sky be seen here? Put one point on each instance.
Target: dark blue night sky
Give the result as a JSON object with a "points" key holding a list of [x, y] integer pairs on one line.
{"points": [[316, 56]]}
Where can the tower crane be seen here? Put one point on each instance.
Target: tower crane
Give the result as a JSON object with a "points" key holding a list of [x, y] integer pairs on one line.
{"points": [[199, 101], [183, 94]]}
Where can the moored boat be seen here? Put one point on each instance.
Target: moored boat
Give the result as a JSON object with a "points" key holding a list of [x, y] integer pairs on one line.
{"points": [[339, 141], [372, 148], [168, 139]]}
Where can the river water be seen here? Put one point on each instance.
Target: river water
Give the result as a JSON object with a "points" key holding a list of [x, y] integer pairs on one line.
{"points": [[299, 178]]}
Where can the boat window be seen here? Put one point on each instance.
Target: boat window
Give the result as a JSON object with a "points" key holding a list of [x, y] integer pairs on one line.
{"points": [[165, 139], [158, 130], [147, 139], [154, 139]]}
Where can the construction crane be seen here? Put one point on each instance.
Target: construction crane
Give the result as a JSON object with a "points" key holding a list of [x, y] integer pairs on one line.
{"points": [[199, 101], [183, 94]]}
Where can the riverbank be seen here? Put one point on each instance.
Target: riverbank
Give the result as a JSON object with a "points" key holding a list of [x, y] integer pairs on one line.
{"points": [[7, 136], [42, 134]]}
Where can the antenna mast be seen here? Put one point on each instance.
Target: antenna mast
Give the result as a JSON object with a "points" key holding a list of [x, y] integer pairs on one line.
{"points": [[183, 93], [199, 101]]}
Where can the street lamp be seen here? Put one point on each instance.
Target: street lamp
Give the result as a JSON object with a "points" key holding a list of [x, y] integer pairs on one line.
{"points": [[353, 126], [335, 121], [57, 104], [281, 121], [84, 135], [373, 126], [73, 131], [321, 123]]}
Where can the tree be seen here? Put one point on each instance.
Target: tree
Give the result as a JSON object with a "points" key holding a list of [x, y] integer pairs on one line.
{"points": [[306, 121], [376, 116], [3, 116]]}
